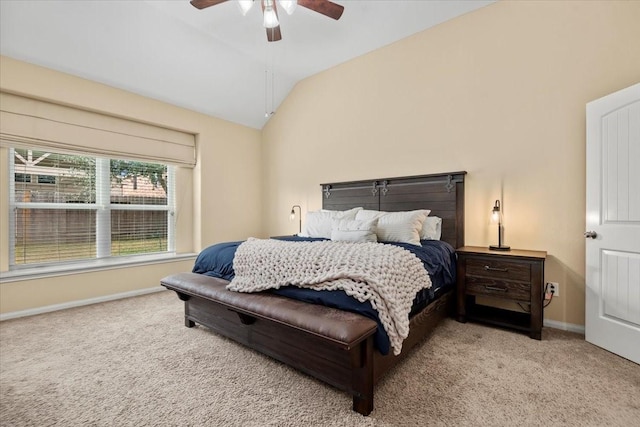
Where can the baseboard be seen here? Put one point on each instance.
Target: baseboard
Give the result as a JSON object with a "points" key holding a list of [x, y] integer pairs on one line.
{"points": [[564, 326], [79, 303], [55, 307]]}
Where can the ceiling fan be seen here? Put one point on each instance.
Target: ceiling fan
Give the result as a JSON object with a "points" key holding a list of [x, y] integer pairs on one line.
{"points": [[270, 12]]}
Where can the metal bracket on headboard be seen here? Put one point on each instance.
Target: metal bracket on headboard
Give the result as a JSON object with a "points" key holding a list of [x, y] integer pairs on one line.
{"points": [[327, 191], [384, 187], [450, 185]]}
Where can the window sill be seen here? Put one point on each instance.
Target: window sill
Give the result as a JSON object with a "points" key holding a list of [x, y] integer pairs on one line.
{"points": [[85, 267]]}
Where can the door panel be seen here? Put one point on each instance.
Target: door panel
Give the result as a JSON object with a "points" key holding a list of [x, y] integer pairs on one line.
{"points": [[613, 214], [620, 274]]}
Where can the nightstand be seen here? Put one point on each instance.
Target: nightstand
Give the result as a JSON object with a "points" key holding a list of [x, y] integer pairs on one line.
{"points": [[513, 276]]}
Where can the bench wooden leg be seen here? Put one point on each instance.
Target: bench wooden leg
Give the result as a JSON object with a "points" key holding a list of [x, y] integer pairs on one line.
{"points": [[187, 322], [362, 363]]}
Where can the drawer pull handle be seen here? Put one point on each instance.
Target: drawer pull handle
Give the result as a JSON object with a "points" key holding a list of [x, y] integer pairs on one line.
{"points": [[503, 270], [495, 288]]}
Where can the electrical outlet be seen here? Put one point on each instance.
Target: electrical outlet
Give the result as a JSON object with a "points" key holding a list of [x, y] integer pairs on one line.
{"points": [[553, 287]]}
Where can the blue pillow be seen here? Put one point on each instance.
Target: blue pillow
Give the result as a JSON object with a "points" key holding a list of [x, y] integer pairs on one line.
{"points": [[217, 260]]}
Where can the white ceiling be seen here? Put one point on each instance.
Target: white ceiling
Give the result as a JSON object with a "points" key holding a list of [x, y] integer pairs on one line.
{"points": [[212, 61]]}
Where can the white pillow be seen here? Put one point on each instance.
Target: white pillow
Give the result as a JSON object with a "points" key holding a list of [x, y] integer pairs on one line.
{"points": [[402, 227], [320, 223], [351, 230], [366, 214], [431, 228]]}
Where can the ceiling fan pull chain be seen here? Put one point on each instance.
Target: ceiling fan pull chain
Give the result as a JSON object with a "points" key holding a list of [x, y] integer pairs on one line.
{"points": [[266, 91], [273, 91]]}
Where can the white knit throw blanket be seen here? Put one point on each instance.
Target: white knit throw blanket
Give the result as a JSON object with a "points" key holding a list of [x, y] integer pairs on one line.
{"points": [[388, 276]]}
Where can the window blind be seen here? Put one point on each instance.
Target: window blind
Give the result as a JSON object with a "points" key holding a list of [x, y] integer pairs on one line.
{"points": [[89, 208], [29, 123]]}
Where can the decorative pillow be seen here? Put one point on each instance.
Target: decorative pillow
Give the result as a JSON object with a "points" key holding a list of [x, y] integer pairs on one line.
{"points": [[352, 230], [366, 214], [320, 223], [402, 227], [431, 228]]}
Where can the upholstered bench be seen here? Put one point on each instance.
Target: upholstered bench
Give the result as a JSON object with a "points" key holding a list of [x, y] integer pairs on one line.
{"points": [[332, 345]]}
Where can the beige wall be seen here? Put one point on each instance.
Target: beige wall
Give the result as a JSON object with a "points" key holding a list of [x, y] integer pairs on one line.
{"points": [[220, 198], [499, 92]]}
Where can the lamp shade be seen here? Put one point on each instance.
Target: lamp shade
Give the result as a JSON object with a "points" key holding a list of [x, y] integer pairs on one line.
{"points": [[288, 5], [245, 6], [496, 214], [292, 216], [270, 16]]}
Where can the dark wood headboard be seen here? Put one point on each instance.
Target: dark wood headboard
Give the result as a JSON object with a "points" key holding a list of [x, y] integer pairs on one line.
{"points": [[442, 193]]}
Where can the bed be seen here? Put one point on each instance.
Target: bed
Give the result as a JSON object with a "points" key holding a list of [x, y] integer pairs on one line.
{"points": [[338, 346]]}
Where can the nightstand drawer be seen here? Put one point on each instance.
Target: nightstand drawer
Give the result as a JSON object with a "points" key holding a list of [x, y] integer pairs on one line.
{"points": [[499, 269], [498, 288]]}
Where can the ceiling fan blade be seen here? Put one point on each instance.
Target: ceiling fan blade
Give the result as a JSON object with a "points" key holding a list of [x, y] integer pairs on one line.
{"points": [[325, 7], [201, 4]]}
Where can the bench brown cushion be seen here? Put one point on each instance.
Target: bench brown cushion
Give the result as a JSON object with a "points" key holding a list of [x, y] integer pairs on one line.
{"points": [[342, 327]]}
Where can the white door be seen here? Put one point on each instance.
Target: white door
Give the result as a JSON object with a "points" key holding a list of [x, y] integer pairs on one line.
{"points": [[613, 223]]}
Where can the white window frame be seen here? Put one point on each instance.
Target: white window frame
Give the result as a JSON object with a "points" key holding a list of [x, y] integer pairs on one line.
{"points": [[103, 208]]}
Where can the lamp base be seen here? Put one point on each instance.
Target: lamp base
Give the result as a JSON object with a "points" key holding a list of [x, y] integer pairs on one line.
{"points": [[499, 248]]}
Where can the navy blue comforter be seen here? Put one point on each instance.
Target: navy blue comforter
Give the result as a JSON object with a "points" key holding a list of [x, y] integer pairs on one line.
{"points": [[438, 257]]}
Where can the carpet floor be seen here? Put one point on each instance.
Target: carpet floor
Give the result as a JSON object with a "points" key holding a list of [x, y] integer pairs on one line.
{"points": [[133, 363]]}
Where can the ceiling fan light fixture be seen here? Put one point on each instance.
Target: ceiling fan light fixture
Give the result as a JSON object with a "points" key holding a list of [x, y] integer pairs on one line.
{"points": [[245, 6], [270, 19], [288, 5], [270, 15]]}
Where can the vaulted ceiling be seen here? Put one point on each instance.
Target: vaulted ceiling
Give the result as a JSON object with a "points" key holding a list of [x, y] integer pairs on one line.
{"points": [[214, 61]]}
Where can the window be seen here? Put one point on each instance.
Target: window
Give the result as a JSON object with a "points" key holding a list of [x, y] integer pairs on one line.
{"points": [[82, 208], [46, 179], [20, 177]]}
